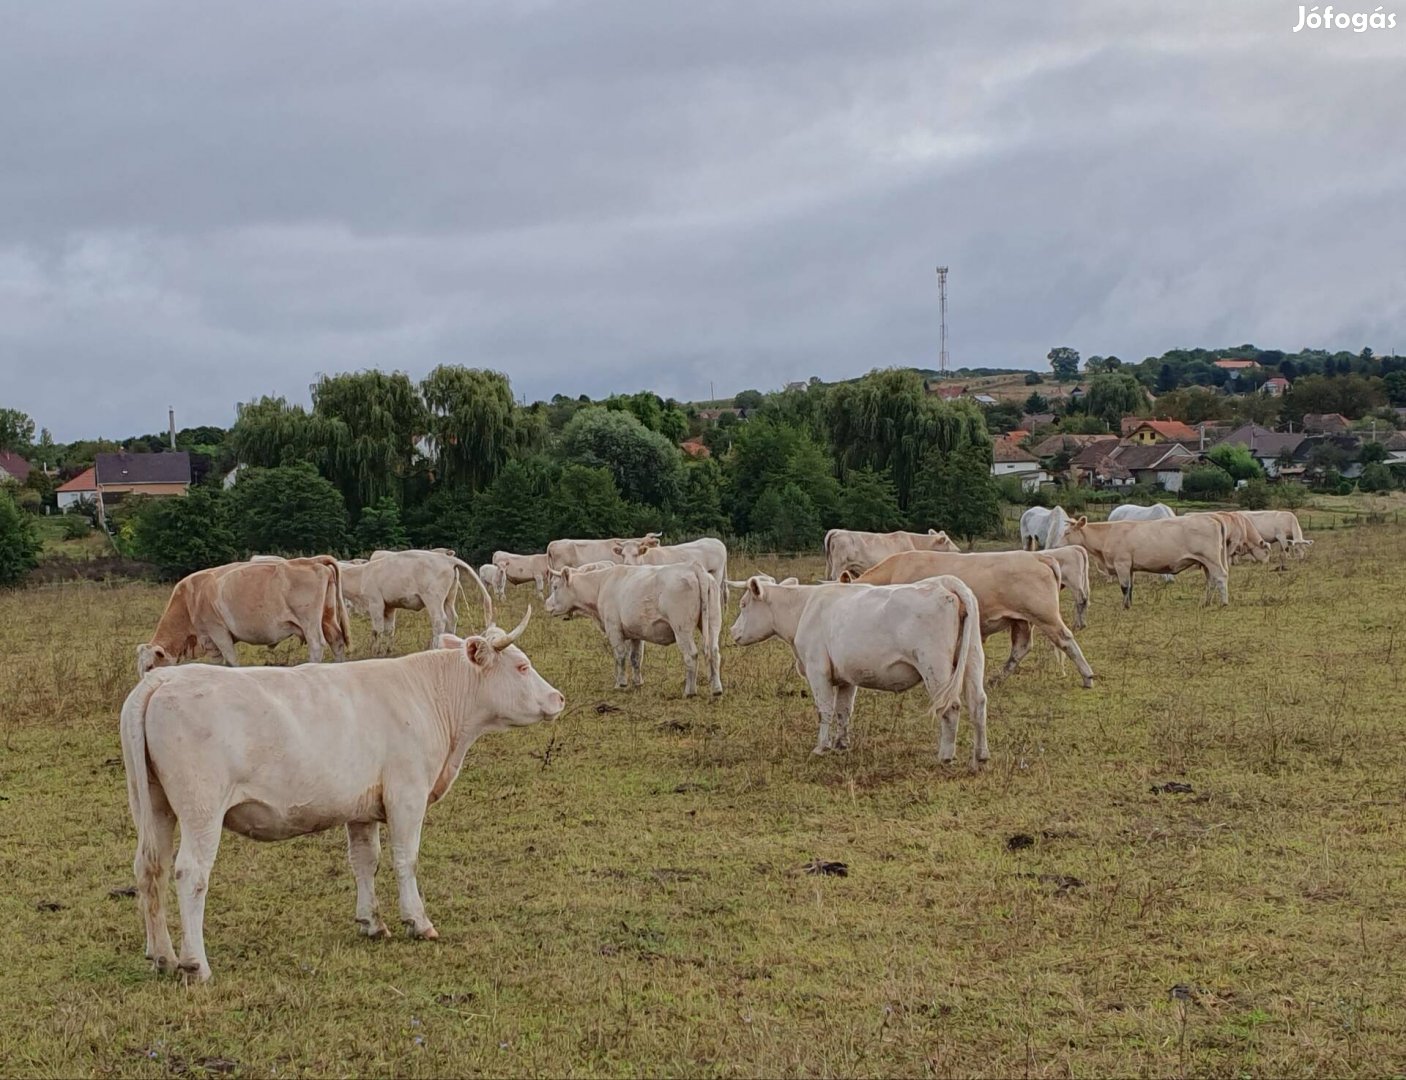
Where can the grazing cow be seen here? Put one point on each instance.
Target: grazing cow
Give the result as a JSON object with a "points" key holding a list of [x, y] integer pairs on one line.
{"points": [[1134, 512], [411, 581], [880, 638], [262, 602], [1241, 536], [709, 553], [520, 569], [1016, 590], [562, 553], [379, 553], [849, 549], [658, 604], [273, 753], [1166, 546], [493, 579], [1280, 527], [1073, 565], [1042, 528]]}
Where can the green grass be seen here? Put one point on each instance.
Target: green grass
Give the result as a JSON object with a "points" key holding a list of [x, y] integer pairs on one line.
{"points": [[621, 893]]}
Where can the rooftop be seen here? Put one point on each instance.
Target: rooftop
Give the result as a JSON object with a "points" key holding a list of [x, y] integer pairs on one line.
{"points": [[123, 468]]}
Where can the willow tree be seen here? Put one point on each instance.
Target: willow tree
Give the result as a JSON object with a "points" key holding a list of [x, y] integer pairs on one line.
{"points": [[476, 424], [270, 432], [886, 421], [365, 424]]}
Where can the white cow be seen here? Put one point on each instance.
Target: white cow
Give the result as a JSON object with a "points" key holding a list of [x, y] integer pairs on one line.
{"points": [[425, 581], [493, 578], [273, 753], [1134, 512], [562, 553], [1280, 527], [1042, 527], [709, 553], [1072, 562], [856, 551], [520, 569], [880, 637], [662, 605]]}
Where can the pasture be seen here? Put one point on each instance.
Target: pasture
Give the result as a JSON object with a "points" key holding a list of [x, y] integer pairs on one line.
{"points": [[622, 892]]}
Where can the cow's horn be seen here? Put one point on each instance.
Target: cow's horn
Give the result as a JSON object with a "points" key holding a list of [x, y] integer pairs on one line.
{"points": [[502, 641]]}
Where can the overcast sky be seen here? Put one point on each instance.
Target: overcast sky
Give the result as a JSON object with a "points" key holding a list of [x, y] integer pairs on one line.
{"points": [[202, 203]]}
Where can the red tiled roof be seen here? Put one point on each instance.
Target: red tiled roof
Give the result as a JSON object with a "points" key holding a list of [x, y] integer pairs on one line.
{"points": [[15, 465], [84, 481], [1236, 365], [1171, 430]]}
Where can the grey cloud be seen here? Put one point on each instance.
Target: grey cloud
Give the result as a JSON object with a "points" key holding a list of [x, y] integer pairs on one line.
{"points": [[206, 204]]}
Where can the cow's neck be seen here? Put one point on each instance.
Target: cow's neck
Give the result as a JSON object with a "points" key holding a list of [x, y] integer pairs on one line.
{"points": [[787, 602], [456, 727]]}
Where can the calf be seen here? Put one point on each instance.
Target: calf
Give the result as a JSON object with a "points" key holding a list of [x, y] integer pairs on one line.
{"points": [[520, 569]]}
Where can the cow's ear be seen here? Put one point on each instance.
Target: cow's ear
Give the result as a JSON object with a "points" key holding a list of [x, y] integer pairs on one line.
{"points": [[650, 541], [1081, 521], [565, 574], [939, 535], [450, 641], [846, 577], [480, 652], [619, 549], [754, 586], [933, 532]]}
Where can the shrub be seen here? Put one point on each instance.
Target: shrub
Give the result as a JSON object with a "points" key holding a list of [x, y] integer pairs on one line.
{"points": [[19, 542], [870, 501], [380, 527], [1254, 495], [289, 510], [1237, 461], [957, 493], [791, 520], [1289, 495], [180, 536], [1207, 482], [76, 527], [1376, 477]]}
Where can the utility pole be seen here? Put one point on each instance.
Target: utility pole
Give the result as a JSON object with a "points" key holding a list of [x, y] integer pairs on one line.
{"points": [[942, 307]]}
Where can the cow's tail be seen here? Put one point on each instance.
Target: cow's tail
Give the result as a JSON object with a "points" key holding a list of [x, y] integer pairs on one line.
{"points": [[710, 615], [134, 759], [464, 568], [949, 694], [831, 574], [343, 615], [341, 619]]}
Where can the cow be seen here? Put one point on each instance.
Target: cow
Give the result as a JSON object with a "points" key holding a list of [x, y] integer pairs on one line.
{"points": [[709, 553], [658, 604], [1280, 527], [1241, 536], [262, 602], [1016, 590], [1073, 566], [1042, 528], [411, 581], [520, 569], [493, 579], [880, 638], [855, 551], [1134, 512], [562, 553], [1166, 546], [274, 753]]}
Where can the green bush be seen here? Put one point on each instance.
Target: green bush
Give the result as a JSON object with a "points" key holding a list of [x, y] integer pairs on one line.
{"points": [[1376, 477], [1207, 482], [76, 527], [788, 518], [288, 510], [19, 542], [1254, 495], [380, 527], [180, 536], [1289, 495]]}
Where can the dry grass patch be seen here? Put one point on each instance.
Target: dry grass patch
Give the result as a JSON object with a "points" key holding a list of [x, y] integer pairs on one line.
{"points": [[625, 891]]}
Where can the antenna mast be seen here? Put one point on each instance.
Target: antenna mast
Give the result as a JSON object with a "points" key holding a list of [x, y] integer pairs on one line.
{"points": [[942, 305]]}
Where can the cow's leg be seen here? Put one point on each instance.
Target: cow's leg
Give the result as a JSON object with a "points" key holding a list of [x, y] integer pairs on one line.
{"points": [[537, 581], [688, 648], [152, 870], [439, 624], [1081, 607], [224, 645], [1125, 582], [364, 852], [1020, 645], [844, 709], [316, 646], [451, 611], [637, 661], [824, 696], [975, 694], [199, 844], [405, 818], [622, 650], [1064, 640]]}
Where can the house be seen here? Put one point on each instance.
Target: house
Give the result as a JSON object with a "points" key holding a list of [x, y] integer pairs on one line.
{"points": [[1146, 432], [1121, 463], [944, 389], [1275, 387], [1342, 448], [1268, 447], [715, 414], [1010, 459], [1396, 449], [1067, 444], [694, 448], [984, 399], [1032, 420], [82, 488], [790, 386], [1325, 423], [123, 474], [13, 467], [1235, 367]]}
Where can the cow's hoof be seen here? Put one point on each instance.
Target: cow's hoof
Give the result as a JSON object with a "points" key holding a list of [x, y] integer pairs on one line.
{"points": [[429, 934], [1089, 683], [193, 972], [944, 760], [164, 965], [376, 930]]}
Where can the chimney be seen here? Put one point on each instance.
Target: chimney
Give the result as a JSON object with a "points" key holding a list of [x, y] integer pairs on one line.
{"points": [[171, 418]]}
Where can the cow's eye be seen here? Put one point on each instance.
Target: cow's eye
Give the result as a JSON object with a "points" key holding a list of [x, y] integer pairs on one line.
{"points": [[523, 669]]}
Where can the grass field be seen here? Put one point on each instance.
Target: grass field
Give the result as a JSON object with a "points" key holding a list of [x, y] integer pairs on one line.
{"points": [[622, 893]]}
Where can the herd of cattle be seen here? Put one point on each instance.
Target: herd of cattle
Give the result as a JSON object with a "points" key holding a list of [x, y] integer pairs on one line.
{"points": [[276, 752]]}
